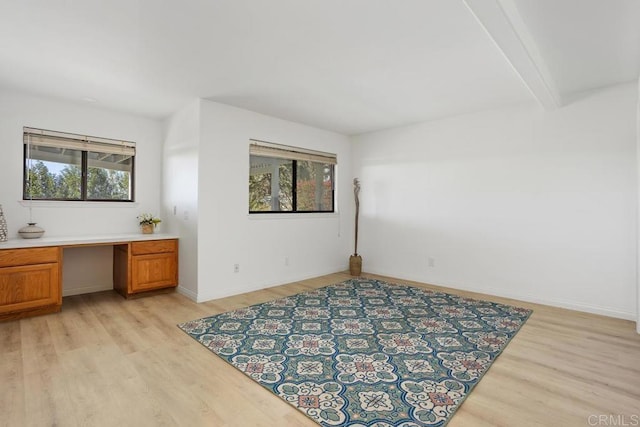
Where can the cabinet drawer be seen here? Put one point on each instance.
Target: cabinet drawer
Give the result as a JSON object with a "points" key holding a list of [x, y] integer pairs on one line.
{"points": [[154, 247], [28, 287], [14, 257]]}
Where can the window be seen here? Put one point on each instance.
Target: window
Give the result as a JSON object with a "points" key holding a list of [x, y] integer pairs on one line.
{"points": [[64, 166], [288, 179]]}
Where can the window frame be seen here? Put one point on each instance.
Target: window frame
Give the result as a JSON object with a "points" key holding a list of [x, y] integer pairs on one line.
{"points": [[84, 166], [315, 157]]}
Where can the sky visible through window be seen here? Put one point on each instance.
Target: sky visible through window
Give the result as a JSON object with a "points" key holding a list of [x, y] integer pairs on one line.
{"points": [[54, 167]]}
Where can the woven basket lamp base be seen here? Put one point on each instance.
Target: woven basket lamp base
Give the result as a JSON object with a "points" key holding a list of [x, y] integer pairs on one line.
{"points": [[355, 265]]}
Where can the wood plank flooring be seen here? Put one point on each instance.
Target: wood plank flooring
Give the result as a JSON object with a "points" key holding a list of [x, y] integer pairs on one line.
{"points": [[106, 361]]}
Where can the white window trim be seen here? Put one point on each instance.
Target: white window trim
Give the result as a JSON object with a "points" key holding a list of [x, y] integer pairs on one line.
{"points": [[294, 215], [77, 204]]}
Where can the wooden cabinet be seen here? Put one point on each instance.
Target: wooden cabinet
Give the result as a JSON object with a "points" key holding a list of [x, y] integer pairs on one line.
{"points": [[145, 266], [30, 282], [31, 275]]}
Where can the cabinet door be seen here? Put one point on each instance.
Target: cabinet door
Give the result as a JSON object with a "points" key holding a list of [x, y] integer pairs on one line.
{"points": [[153, 271], [29, 286]]}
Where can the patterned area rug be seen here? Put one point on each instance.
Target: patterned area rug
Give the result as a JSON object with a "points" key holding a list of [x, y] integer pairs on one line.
{"points": [[365, 352]]}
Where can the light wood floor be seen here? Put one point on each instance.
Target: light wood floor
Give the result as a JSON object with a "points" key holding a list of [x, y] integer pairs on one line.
{"points": [[108, 361]]}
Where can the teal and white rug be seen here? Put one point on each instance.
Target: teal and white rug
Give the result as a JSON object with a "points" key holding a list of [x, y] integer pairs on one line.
{"points": [[365, 352]]}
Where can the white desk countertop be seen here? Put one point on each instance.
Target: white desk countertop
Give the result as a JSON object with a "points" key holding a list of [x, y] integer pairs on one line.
{"points": [[83, 240]]}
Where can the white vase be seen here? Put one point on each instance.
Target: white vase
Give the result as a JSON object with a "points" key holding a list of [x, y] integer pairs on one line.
{"points": [[4, 232], [31, 231]]}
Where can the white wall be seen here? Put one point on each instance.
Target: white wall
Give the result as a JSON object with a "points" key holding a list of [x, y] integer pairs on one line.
{"points": [[534, 205], [638, 211], [180, 190], [315, 244], [68, 218], [87, 270]]}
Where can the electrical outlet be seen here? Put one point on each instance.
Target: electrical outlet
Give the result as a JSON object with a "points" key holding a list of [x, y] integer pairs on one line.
{"points": [[236, 268], [286, 261], [431, 262]]}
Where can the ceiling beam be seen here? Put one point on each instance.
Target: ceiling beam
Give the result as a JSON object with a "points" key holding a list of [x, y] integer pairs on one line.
{"points": [[502, 21]]}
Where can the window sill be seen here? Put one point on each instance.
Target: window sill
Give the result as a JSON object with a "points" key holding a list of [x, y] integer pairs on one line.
{"points": [[297, 215], [78, 204]]}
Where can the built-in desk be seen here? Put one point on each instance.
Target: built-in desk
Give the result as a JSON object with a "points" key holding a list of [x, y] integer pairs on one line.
{"points": [[31, 269]]}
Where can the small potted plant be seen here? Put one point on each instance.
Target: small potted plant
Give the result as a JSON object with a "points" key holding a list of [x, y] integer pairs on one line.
{"points": [[148, 223]]}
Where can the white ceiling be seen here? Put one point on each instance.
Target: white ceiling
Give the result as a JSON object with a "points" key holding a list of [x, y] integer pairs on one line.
{"points": [[586, 43], [350, 66]]}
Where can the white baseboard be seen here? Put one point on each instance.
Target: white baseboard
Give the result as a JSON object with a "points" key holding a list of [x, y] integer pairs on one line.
{"points": [[108, 287], [188, 293], [603, 311], [86, 289], [204, 297]]}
